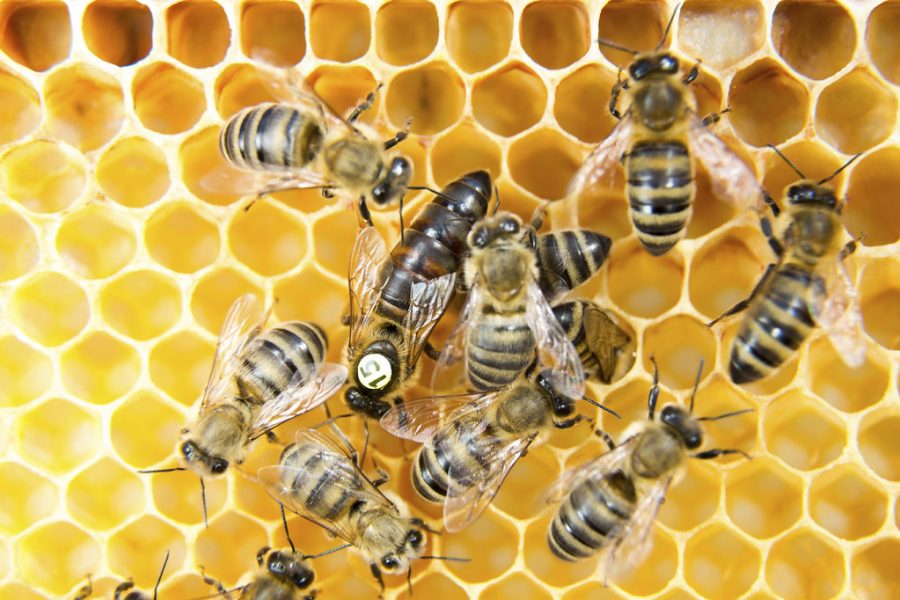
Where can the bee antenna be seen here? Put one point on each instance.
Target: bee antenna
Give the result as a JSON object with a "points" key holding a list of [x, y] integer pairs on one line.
{"points": [[409, 580], [793, 166], [696, 385], [453, 558], [203, 501], [601, 407], [668, 27], [161, 571], [733, 413], [326, 552], [603, 42], [842, 167], [497, 201], [287, 532], [162, 470], [429, 190]]}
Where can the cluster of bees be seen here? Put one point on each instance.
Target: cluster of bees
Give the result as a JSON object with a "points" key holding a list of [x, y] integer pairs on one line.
{"points": [[515, 366]]}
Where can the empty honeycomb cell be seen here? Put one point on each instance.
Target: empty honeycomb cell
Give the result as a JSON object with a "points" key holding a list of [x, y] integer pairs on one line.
{"points": [[856, 112], [509, 100], [635, 25], [43, 176], [641, 284], [18, 245], [177, 496], [461, 151], [543, 162], [95, 242], [197, 32], [721, 33], [59, 436], [592, 591], [179, 365], [273, 32], [181, 239], [206, 174], [874, 569], [816, 38], [768, 106], [679, 343], [100, 368], [580, 103], [515, 585], [326, 309], [880, 302], [85, 106], [137, 551], [656, 570], [329, 239], [49, 308], [812, 158], [436, 585], [37, 498], [229, 545], [190, 585], [405, 31], [870, 204], [141, 304], [738, 432], [478, 33], [149, 443], [19, 591], [471, 540], [847, 503], [845, 388], [267, 239], [243, 85], [520, 495], [23, 108], [882, 42], [5, 560], [104, 495], [541, 561], [877, 442], [166, 99], [762, 498], [119, 32], [602, 209], [709, 210], [343, 87], [339, 31], [432, 95], [725, 270], [37, 35], [133, 172], [719, 563], [25, 373], [56, 556], [805, 564], [555, 34], [214, 295], [801, 432], [694, 499]]}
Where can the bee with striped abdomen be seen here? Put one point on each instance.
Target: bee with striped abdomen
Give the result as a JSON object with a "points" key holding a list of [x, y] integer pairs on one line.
{"points": [[397, 299], [609, 504], [606, 349], [125, 590], [807, 287], [655, 138]]}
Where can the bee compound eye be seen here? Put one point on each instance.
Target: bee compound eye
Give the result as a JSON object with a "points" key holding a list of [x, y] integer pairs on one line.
{"points": [[188, 451], [374, 371], [390, 562], [509, 225], [218, 466], [415, 538]]}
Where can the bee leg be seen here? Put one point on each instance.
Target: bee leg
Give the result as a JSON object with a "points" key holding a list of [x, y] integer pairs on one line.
{"points": [[364, 211], [606, 438], [351, 451], [327, 192], [85, 591], [363, 106], [537, 219], [273, 439], [261, 555], [621, 84], [431, 352], [653, 396], [715, 117], [743, 304], [376, 573], [122, 588], [707, 454], [774, 242], [345, 320], [399, 137], [692, 74], [770, 202], [311, 595], [215, 583], [849, 249], [568, 423]]}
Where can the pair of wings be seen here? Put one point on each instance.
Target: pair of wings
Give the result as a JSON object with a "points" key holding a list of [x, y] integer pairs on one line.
{"points": [[628, 544], [302, 394], [420, 420], [731, 178], [835, 308], [556, 355], [427, 302], [346, 480]]}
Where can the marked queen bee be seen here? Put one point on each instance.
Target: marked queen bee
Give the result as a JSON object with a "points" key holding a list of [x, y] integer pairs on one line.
{"points": [[656, 137]]}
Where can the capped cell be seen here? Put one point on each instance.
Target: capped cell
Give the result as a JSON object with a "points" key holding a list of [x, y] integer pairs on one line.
{"points": [[509, 100], [167, 99], [95, 242], [273, 32], [405, 32], [432, 95], [197, 32], [118, 32], [339, 31], [555, 34], [85, 106], [25, 372], [59, 436], [478, 33], [37, 35]]}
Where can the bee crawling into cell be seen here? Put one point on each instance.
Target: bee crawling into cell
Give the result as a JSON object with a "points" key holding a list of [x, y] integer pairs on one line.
{"points": [[808, 285], [657, 136], [126, 589], [260, 379], [609, 504]]}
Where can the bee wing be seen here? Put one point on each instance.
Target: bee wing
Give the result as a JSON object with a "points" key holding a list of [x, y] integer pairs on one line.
{"points": [[427, 302], [290, 87], [242, 324], [369, 254], [612, 345], [554, 350], [227, 179], [602, 160], [467, 499], [835, 308], [303, 393], [731, 178], [597, 468], [449, 372], [419, 420]]}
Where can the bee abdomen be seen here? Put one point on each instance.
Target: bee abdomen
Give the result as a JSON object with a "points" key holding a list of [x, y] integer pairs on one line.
{"points": [[569, 258], [497, 352], [660, 189], [270, 137], [429, 478], [317, 480]]}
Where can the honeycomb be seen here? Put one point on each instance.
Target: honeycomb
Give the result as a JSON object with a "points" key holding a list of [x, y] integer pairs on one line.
{"points": [[118, 266]]}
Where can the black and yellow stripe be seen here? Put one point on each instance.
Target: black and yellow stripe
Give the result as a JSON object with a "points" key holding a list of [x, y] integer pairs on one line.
{"points": [[498, 349], [455, 446], [315, 481], [271, 137], [566, 259]]}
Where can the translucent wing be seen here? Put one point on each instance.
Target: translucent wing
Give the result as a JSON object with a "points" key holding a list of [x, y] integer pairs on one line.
{"points": [[301, 395], [419, 420], [597, 468], [427, 302], [836, 310], [554, 350], [612, 345], [227, 179], [449, 372], [289, 86], [369, 255], [731, 178], [466, 500], [242, 323]]}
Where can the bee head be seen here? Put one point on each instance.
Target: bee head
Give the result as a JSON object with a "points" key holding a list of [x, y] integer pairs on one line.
{"points": [[291, 567], [682, 423], [807, 193], [662, 63], [490, 229], [394, 183], [192, 457]]}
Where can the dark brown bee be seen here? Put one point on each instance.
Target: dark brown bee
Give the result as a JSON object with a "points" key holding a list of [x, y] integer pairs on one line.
{"points": [[125, 590], [607, 350]]}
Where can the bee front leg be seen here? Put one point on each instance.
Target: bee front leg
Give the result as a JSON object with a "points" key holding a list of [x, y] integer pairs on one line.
{"points": [[692, 74], [606, 438], [223, 591], [568, 423], [123, 587], [376, 573], [707, 454], [766, 226], [621, 84], [431, 352], [85, 591], [364, 211], [363, 106], [715, 117]]}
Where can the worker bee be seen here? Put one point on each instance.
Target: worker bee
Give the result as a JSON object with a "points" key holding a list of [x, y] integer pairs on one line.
{"points": [[125, 590], [507, 319], [606, 349], [259, 380], [397, 299], [655, 138], [610, 503], [299, 142], [322, 482], [808, 286]]}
